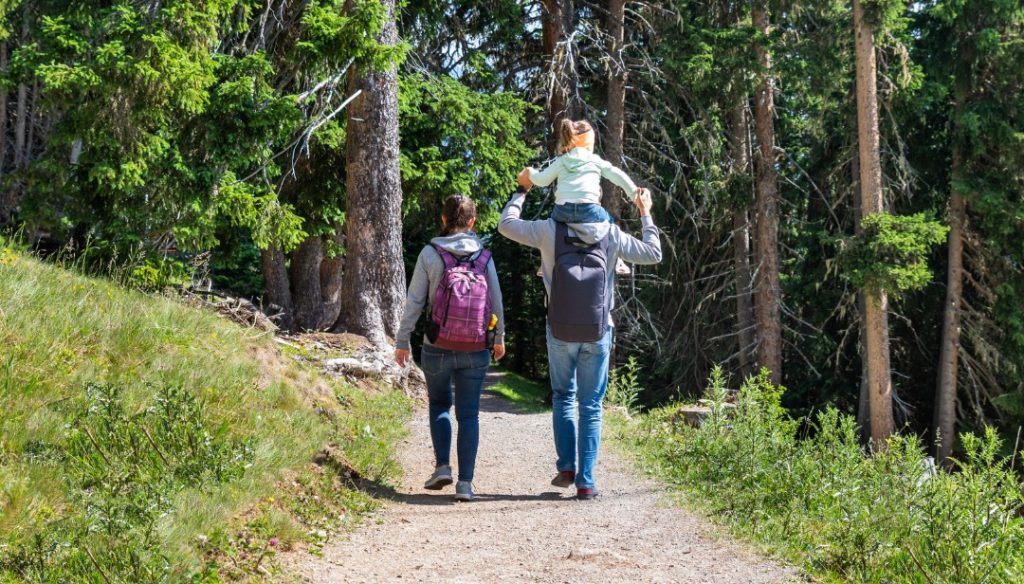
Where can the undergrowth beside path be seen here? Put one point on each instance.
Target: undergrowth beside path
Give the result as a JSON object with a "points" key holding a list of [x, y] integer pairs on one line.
{"points": [[819, 501], [144, 440]]}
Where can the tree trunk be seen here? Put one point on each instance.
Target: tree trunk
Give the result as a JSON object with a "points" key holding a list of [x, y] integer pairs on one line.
{"points": [[330, 282], [876, 302], [305, 278], [20, 127], [6, 198], [864, 399], [946, 390], [739, 149], [769, 295], [276, 288], [616, 119], [373, 289], [3, 111], [558, 22], [27, 158]]}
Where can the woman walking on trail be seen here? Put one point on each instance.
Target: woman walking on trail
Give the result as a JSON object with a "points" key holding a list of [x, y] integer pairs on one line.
{"points": [[456, 278]]}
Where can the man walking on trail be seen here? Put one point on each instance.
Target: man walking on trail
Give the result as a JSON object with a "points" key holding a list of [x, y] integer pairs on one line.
{"points": [[580, 288]]}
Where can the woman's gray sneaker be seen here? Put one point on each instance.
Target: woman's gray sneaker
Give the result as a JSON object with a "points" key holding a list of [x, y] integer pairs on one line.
{"points": [[441, 478], [463, 491]]}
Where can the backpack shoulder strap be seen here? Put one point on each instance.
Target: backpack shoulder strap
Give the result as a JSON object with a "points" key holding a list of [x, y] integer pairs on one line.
{"points": [[561, 235], [446, 256], [480, 260]]}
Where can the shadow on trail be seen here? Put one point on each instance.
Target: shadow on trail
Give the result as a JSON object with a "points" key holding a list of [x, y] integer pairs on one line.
{"points": [[389, 493]]}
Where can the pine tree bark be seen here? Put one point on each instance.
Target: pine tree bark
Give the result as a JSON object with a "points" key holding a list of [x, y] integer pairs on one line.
{"points": [[20, 126], [330, 283], [558, 22], [864, 398], [3, 110], [31, 138], [949, 355], [6, 206], [739, 149], [374, 281], [304, 274], [616, 119], [876, 302], [276, 286], [769, 294]]}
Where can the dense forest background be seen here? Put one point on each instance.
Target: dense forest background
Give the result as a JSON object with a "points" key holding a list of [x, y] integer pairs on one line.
{"points": [[839, 184]]}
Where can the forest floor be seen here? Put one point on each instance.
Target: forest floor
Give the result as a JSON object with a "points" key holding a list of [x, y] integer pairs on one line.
{"points": [[521, 529]]}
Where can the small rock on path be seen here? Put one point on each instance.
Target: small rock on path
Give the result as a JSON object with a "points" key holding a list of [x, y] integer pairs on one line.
{"points": [[521, 529]]}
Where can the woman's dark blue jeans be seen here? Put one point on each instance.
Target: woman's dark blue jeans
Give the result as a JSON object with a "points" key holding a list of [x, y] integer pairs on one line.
{"points": [[460, 373]]}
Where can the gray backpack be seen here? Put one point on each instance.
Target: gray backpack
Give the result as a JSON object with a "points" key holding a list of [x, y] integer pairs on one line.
{"points": [[578, 304]]}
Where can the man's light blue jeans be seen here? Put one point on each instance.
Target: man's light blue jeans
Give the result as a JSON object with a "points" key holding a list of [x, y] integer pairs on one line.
{"points": [[579, 373]]}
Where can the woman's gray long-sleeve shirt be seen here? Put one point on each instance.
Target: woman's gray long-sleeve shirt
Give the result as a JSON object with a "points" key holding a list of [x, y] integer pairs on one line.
{"points": [[428, 272]]}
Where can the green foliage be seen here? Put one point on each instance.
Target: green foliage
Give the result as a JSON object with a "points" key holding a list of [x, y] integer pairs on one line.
{"points": [[891, 254], [182, 126], [1011, 404], [624, 386], [885, 16], [889, 517], [457, 141]]}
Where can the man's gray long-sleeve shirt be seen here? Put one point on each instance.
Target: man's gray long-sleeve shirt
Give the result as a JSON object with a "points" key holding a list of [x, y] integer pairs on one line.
{"points": [[541, 235]]}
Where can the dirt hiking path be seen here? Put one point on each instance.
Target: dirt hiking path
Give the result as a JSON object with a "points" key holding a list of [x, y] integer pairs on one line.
{"points": [[521, 529]]}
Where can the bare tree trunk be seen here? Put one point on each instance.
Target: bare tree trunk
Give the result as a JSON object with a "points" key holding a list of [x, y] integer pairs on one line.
{"points": [[769, 294], [373, 288], [305, 279], [864, 399], [6, 197], [276, 286], [20, 126], [558, 22], [739, 148], [946, 391], [616, 119], [876, 302], [3, 110], [330, 283], [27, 158]]}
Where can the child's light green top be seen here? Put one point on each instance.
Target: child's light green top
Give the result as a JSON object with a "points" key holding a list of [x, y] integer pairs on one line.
{"points": [[579, 173]]}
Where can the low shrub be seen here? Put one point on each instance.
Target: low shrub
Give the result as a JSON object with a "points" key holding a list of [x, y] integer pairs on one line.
{"points": [[819, 499]]}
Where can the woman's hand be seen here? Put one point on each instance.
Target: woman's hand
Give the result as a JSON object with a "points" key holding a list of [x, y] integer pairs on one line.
{"points": [[402, 357], [499, 352]]}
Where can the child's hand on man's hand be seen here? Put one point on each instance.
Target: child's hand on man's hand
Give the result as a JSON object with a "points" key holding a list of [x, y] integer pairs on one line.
{"points": [[524, 178], [643, 201]]}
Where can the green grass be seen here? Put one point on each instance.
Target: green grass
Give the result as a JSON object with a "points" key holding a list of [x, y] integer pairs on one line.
{"points": [[136, 430], [526, 393], [821, 503]]}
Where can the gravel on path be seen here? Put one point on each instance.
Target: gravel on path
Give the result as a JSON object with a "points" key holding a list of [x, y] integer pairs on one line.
{"points": [[521, 529]]}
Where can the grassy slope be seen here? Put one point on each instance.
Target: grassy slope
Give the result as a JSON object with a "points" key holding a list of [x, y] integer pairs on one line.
{"points": [[60, 332]]}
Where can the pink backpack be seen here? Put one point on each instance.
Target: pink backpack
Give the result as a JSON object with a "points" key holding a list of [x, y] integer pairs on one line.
{"points": [[462, 306]]}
